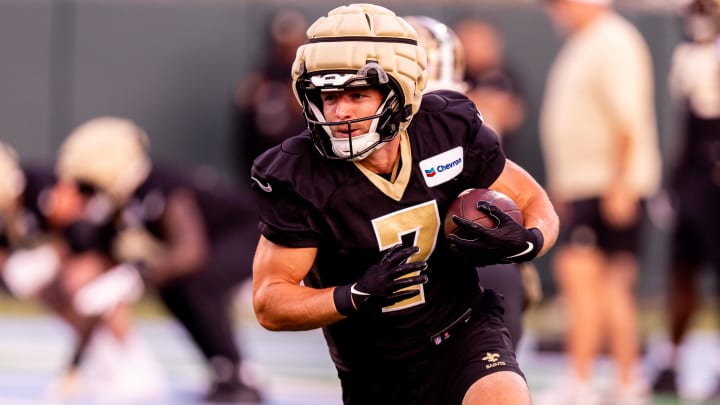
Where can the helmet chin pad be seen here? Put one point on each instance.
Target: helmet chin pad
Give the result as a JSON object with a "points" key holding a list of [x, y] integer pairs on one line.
{"points": [[365, 143]]}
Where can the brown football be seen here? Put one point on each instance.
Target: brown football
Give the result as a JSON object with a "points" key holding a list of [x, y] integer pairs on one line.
{"points": [[465, 206]]}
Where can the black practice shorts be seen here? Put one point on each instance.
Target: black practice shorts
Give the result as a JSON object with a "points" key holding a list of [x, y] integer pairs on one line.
{"points": [[584, 225], [480, 347]]}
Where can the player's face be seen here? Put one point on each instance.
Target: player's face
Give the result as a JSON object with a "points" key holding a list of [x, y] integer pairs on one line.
{"points": [[349, 105], [66, 204]]}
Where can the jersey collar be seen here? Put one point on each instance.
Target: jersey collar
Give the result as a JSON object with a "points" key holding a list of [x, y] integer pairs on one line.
{"points": [[396, 189]]}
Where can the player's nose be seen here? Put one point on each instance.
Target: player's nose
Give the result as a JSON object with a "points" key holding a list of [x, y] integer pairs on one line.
{"points": [[344, 108]]}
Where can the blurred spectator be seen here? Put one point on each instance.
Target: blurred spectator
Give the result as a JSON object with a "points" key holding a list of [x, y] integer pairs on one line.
{"points": [[446, 70], [190, 242], [601, 150], [491, 83], [266, 111], [37, 262], [695, 179]]}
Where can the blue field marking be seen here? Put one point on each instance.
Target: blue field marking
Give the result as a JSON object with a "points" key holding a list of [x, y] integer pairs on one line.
{"points": [[294, 368]]}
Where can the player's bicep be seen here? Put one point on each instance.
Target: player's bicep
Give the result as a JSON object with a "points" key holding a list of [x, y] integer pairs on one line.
{"points": [[530, 196], [517, 183], [275, 263]]}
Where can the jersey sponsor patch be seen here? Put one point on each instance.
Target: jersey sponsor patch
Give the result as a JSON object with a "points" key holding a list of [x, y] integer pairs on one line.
{"points": [[442, 167]]}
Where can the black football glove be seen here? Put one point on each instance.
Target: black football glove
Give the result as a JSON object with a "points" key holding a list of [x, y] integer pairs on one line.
{"points": [[508, 242], [380, 285]]}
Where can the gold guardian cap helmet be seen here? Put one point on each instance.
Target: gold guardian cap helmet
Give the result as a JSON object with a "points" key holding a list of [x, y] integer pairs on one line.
{"points": [[360, 45], [108, 153]]}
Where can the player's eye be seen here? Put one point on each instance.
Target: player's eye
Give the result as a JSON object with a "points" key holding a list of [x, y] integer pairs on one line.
{"points": [[328, 98], [358, 94]]}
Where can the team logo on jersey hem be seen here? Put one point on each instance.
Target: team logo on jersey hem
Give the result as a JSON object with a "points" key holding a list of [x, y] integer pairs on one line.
{"points": [[493, 360], [442, 167]]}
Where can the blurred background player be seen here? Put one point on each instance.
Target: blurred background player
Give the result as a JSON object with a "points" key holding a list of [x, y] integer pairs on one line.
{"points": [[446, 68], [39, 260], [189, 241], [694, 81], [266, 112], [491, 83], [599, 138]]}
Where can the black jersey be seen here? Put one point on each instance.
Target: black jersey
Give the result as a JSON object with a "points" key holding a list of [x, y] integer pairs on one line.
{"points": [[224, 209], [31, 223], [351, 216]]}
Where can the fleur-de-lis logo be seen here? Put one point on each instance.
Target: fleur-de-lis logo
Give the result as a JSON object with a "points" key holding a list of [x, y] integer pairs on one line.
{"points": [[491, 357]]}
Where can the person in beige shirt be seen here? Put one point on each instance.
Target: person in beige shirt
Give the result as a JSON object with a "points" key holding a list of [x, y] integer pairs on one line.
{"points": [[599, 139]]}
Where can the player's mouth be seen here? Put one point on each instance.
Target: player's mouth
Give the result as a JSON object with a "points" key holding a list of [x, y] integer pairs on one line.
{"points": [[345, 133]]}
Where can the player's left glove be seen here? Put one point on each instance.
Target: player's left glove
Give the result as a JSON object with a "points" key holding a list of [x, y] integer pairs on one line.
{"points": [[122, 283], [508, 242]]}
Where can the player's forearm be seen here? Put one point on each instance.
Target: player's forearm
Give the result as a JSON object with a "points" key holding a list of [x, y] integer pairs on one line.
{"points": [[539, 213], [284, 306]]}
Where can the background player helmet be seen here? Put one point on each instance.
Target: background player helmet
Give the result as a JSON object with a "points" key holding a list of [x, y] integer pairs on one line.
{"points": [[360, 45], [445, 54], [107, 153], [12, 179]]}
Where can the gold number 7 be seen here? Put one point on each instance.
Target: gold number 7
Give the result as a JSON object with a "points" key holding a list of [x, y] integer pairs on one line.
{"points": [[423, 222]]}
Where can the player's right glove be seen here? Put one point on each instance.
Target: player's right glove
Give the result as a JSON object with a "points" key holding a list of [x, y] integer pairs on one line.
{"points": [[383, 284], [508, 242], [27, 271]]}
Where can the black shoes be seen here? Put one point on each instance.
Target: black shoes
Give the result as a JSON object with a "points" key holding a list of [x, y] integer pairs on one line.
{"points": [[233, 393], [228, 385], [666, 382]]}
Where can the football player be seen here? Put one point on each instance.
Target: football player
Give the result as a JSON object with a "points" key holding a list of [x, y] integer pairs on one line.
{"points": [[446, 70], [41, 260], [190, 242], [694, 81], [350, 215]]}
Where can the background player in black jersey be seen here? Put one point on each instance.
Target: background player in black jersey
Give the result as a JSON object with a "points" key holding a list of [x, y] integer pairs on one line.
{"points": [[39, 260], [694, 183], [446, 70], [188, 240], [350, 215], [265, 111]]}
